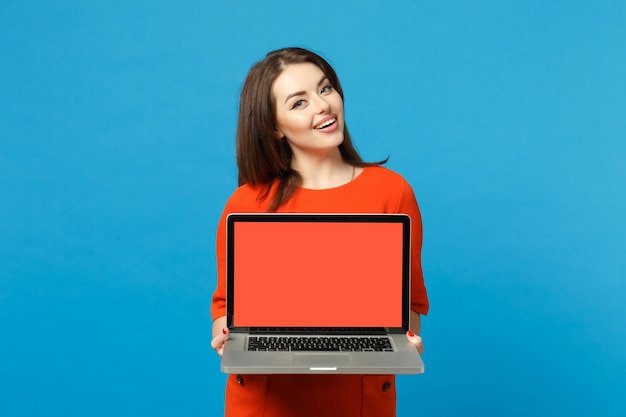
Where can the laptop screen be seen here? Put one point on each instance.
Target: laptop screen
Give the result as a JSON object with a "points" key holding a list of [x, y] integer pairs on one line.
{"points": [[317, 270]]}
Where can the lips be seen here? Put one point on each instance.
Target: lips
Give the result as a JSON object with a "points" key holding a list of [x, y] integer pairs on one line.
{"points": [[326, 122]]}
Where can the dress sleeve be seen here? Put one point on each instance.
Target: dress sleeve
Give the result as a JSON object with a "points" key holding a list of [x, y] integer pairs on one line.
{"points": [[408, 205], [218, 305]]}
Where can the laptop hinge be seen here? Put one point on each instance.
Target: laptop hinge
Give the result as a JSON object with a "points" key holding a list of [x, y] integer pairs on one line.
{"points": [[321, 330]]}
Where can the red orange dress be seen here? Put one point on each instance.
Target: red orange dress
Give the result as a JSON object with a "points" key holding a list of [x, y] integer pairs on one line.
{"points": [[375, 190]]}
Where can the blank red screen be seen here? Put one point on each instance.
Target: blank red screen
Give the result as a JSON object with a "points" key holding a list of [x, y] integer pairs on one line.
{"points": [[317, 274]]}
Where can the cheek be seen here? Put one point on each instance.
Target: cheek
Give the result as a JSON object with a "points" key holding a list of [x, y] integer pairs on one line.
{"points": [[294, 123], [282, 123], [338, 104]]}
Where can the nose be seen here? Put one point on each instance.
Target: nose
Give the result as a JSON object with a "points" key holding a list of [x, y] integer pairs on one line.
{"points": [[321, 105]]}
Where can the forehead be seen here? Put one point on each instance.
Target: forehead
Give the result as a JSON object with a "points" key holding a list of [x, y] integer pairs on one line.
{"points": [[296, 78]]}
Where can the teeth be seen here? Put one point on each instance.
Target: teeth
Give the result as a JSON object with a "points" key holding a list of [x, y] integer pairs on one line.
{"points": [[327, 123]]}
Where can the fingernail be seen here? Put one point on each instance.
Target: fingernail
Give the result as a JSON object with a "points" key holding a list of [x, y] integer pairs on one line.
{"points": [[224, 330], [410, 333]]}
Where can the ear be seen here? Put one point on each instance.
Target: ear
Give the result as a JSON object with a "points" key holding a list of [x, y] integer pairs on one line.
{"points": [[278, 134]]}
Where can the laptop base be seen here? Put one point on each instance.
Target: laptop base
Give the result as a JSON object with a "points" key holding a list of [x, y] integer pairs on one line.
{"points": [[404, 360]]}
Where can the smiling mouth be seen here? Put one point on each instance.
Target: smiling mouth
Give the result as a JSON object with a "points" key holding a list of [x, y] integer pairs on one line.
{"points": [[327, 123]]}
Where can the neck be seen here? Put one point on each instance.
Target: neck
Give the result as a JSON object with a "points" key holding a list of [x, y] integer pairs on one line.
{"points": [[322, 172]]}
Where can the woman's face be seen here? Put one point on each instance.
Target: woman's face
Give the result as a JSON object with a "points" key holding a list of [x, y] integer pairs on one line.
{"points": [[309, 111]]}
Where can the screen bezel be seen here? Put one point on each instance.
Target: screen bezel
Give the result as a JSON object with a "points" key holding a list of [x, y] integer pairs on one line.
{"points": [[234, 218]]}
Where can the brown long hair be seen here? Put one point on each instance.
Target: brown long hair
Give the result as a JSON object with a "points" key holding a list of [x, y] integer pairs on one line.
{"points": [[261, 158]]}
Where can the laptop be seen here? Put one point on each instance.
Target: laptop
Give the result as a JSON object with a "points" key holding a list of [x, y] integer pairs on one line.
{"points": [[319, 293]]}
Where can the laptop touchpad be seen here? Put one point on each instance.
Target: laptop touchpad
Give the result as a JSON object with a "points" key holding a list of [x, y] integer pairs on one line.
{"points": [[320, 359]]}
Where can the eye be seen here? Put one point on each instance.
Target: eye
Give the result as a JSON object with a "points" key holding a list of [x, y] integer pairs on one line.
{"points": [[298, 103], [326, 89]]}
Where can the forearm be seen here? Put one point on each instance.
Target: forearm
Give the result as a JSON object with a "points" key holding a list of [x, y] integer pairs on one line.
{"points": [[415, 323], [218, 325]]}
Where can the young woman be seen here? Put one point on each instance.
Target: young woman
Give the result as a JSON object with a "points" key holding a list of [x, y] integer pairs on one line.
{"points": [[294, 154]]}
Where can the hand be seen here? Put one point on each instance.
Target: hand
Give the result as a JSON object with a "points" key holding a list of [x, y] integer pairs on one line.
{"points": [[218, 341], [416, 340]]}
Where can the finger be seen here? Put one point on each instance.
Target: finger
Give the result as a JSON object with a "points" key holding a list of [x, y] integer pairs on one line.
{"points": [[416, 340]]}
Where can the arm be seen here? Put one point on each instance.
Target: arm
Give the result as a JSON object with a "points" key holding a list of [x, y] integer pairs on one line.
{"points": [[419, 299], [219, 330]]}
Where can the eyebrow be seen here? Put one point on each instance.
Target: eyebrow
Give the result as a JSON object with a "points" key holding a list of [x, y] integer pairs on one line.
{"points": [[299, 93]]}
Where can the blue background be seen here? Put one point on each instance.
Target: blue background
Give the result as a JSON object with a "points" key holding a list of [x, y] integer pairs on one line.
{"points": [[117, 126]]}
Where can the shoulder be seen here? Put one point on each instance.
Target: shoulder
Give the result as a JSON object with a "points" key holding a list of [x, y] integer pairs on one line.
{"points": [[248, 198], [390, 187], [385, 177]]}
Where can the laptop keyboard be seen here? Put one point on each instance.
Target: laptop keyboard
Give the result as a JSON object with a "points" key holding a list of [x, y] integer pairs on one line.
{"points": [[319, 343]]}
